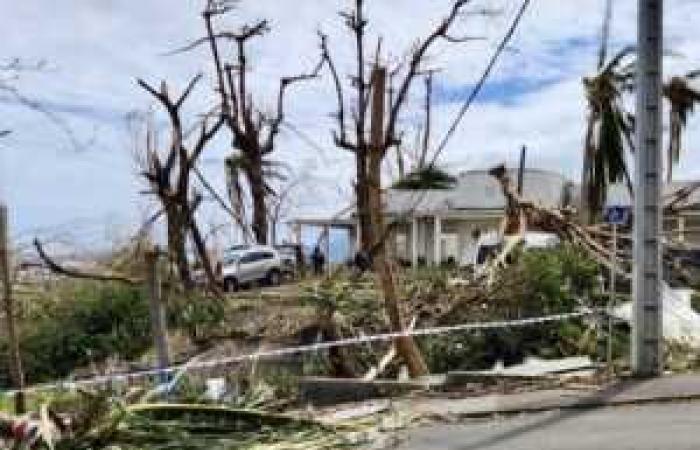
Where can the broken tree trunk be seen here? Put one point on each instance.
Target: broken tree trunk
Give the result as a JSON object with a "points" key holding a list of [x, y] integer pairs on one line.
{"points": [[258, 193], [558, 222], [405, 345], [176, 244], [15, 359]]}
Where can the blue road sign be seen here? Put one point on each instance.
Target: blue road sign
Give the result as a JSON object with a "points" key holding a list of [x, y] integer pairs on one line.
{"points": [[617, 215]]}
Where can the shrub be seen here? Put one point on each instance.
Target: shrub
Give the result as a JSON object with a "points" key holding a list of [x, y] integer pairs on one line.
{"points": [[695, 301], [90, 323], [537, 283]]}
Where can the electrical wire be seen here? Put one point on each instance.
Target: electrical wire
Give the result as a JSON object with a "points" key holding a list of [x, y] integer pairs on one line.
{"points": [[482, 81]]}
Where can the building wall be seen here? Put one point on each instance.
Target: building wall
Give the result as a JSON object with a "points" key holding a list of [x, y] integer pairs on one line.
{"points": [[684, 228], [456, 237], [464, 228], [691, 230]]}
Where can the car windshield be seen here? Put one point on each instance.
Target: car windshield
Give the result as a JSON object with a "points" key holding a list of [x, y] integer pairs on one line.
{"points": [[231, 258], [237, 248]]}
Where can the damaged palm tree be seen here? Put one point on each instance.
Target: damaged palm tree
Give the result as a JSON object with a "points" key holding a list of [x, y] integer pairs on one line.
{"points": [[168, 175], [610, 127], [609, 131], [682, 98]]}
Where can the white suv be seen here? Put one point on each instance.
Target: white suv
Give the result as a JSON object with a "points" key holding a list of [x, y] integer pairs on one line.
{"points": [[251, 264]]}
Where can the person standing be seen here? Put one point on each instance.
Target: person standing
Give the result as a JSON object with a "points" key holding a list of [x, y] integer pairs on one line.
{"points": [[319, 260]]}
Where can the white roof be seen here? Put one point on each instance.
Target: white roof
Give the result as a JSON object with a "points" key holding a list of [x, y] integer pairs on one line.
{"points": [[476, 190]]}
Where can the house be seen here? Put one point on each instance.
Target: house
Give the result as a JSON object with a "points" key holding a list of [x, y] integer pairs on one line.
{"points": [[435, 226], [450, 217]]}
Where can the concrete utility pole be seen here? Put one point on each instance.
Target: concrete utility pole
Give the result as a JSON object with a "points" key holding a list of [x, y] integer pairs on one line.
{"points": [[159, 325], [14, 357], [521, 170], [647, 336]]}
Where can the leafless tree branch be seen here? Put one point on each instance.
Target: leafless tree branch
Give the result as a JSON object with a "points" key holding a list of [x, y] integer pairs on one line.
{"points": [[75, 273], [440, 32]]}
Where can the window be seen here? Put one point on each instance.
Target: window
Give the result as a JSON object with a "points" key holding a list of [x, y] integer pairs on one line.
{"points": [[232, 259], [250, 258]]}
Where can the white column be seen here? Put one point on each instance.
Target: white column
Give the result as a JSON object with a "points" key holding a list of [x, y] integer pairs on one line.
{"points": [[414, 242], [437, 240], [681, 228], [297, 233]]}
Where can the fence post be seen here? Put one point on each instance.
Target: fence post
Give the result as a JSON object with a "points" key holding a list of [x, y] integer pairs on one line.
{"points": [[15, 360], [159, 326]]}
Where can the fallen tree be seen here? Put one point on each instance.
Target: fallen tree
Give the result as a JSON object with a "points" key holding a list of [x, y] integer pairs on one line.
{"points": [[595, 239]]}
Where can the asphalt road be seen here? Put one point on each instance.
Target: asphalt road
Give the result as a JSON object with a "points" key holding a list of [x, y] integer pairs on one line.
{"points": [[659, 427]]}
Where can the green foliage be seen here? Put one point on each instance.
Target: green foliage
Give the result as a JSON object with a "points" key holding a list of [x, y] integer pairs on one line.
{"points": [[539, 282], [695, 301], [89, 323], [115, 425], [426, 178], [355, 300], [550, 280], [682, 98], [610, 128], [201, 317]]}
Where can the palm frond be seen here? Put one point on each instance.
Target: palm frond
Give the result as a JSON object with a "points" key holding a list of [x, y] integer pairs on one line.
{"points": [[682, 99], [426, 178]]}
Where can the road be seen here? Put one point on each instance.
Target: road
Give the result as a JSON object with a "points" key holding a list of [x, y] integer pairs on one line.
{"points": [[659, 427]]}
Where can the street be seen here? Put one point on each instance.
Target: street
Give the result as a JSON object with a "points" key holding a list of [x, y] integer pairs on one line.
{"points": [[659, 427]]}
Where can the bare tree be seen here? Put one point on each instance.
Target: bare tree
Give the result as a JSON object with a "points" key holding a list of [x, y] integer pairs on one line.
{"points": [[57, 268], [10, 72], [371, 148], [280, 207], [14, 356], [168, 176], [253, 130], [357, 141]]}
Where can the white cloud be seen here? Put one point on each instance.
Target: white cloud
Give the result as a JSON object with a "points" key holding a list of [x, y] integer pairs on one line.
{"points": [[96, 49]]}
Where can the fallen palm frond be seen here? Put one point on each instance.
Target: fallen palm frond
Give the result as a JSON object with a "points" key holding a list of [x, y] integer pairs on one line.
{"points": [[165, 426]]}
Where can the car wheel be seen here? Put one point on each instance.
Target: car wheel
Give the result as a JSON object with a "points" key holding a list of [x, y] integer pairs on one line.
{"points": [[230, 285], [274, 278]]}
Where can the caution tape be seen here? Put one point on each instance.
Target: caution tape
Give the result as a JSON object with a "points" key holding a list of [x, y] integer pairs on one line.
{"points": [[310, 348]]}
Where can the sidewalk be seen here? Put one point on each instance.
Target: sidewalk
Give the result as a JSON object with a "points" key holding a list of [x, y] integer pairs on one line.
{"points": [[629, 391]]}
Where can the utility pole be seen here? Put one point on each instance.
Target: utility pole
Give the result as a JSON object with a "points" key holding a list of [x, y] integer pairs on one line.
{"points": [[15, 359], [612, 301], [159, 326], [647, 336], [521, 170]]}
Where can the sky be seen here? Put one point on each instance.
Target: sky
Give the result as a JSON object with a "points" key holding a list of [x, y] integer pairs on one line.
{"points": [[83, 186]]}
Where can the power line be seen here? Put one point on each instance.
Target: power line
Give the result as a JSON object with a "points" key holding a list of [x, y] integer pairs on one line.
{"points": [[197, 363], [308, 140], [480, 84]]}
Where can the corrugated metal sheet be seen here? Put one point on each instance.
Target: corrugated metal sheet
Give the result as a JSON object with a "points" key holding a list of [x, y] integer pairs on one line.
{"points": [[618, 194]]}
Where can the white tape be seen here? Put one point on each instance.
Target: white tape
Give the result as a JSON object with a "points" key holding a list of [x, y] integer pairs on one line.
{"points": [[195, 364]]}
